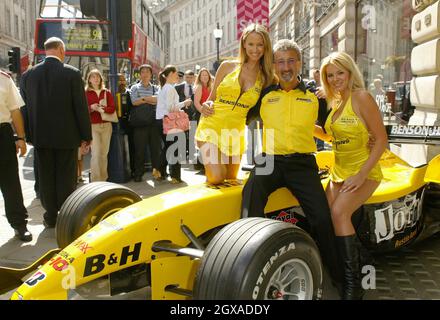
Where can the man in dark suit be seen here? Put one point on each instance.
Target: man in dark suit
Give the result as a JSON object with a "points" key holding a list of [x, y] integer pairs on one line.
{"points": [[185, 90], [59, 123]]}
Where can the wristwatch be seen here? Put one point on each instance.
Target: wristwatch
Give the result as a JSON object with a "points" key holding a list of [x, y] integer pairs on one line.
{"points": [[20, 138]]}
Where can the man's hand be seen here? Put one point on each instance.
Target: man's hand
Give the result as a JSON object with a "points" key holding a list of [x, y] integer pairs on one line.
{"points": [[320, 93], [86, 143], [20, 146], [187, 103]]}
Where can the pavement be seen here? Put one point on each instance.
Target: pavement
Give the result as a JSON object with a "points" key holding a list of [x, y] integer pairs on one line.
{"points": [[412, 273], [17, 254]]}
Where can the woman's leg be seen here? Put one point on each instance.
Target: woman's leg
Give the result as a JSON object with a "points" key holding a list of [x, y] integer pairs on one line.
{"points": [[107, 130], [215, 170], [342, 205], [156, 146], [175, 157], [140, 141], [96, 147], [233, 167]]}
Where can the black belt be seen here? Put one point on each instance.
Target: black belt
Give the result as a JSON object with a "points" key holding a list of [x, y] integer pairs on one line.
{"points": [[5, 124], [294, 155]]}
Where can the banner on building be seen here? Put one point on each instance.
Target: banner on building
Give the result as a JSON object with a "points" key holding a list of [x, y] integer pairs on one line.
{"points": [[251, 11]]}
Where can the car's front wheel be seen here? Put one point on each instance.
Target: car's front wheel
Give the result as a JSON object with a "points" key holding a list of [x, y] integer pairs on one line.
{"points": [[89, 205]]}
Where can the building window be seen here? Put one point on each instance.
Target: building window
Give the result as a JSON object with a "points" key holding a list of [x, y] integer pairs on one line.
{"points": [[16, 27], [328, 43], [23, 31], [383, 50]]}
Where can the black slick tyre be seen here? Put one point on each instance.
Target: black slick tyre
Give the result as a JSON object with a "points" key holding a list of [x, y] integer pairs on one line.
{"points": [[255, 259], [89, 205]]}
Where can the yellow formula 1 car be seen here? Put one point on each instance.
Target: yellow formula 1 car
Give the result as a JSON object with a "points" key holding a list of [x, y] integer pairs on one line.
{"points": [[191, 242]]}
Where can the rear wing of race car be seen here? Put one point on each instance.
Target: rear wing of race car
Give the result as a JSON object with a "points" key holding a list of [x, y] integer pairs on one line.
{"points": [[413, 134], [426, 135]]}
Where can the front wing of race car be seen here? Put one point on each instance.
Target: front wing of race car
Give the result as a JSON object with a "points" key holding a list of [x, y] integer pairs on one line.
{"points": [[148, 232]]}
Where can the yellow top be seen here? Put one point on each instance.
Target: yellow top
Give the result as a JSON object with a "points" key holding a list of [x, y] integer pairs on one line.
{"points": [[350, 144], [226, 128], [289, 121]]}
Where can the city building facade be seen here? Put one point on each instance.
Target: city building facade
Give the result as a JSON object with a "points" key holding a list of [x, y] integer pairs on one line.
{"points": [[188, 27], [17, 29]]}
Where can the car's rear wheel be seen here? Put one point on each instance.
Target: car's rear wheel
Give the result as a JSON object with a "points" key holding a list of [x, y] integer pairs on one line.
{"points": [[89, 205], [257, 259]]}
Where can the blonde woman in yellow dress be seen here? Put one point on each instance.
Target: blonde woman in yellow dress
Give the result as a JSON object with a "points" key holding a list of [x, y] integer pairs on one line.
{"points": [[356, 173], [237, 88]]}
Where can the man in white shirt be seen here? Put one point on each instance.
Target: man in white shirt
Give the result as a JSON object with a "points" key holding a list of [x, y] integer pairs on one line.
{"points": [[10, 103]]}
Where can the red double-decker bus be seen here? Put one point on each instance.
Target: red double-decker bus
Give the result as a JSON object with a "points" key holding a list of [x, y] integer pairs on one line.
{"points": [[87, 40]]}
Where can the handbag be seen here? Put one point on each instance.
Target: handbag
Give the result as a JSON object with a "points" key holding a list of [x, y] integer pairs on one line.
{"points": [[110, 117], [175, 122], [143, 115]]}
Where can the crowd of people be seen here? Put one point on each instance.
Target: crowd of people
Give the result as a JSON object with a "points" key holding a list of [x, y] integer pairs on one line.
{"points": [[263, 83]]}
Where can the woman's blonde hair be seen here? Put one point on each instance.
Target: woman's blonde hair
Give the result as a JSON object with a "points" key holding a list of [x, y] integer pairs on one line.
{"points": [[199, 80], [89, 85], [343, 61], [266, 61]]}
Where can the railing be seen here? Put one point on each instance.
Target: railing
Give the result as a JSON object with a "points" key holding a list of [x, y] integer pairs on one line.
{"points": [[324, 6]]}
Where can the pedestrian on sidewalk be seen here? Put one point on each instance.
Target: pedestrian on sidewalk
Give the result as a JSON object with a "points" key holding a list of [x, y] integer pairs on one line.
{"points": [[100, 101], [143, 96], [168, 101], [59, 123], [10, 103]]}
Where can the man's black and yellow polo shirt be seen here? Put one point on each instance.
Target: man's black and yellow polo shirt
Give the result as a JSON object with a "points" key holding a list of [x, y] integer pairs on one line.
{"points": [[288, 119]]}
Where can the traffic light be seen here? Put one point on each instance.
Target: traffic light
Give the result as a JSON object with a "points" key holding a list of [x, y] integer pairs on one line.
{"points": [[14, 60], [94, 8]]}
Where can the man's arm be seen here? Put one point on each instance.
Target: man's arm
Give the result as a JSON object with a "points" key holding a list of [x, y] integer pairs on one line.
{"points": [[180, 88], [254, 113], [24, 109], [81, 108], [323, 112], [136, 100], [17, 121]]}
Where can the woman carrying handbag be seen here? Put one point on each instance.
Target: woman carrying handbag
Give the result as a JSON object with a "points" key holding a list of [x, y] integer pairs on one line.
{"points": [[168, 112], [100, 101]]}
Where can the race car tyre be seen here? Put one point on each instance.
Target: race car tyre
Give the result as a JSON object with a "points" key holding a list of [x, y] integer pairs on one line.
{"points": [[255, 259], [89, 205]]}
